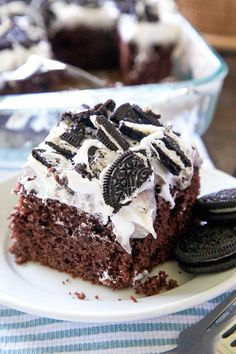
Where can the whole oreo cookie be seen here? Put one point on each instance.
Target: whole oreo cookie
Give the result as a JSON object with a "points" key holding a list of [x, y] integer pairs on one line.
{"points": [[125, 175], [207, 249], [217, 207]]}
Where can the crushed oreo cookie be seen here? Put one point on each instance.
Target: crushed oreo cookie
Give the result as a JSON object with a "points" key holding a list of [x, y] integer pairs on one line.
{"points": [[74, 136], [172, 145], [75, 118], [37, 154], [64, 152], [131, 132], [121, 113], [166, 160], [109, 135], [146, 117], [125, 175], [135, 114], [104, 109], [81, 168]]}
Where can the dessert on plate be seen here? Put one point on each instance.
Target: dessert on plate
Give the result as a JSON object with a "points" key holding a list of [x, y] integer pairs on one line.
{"points": [[106, 196]]}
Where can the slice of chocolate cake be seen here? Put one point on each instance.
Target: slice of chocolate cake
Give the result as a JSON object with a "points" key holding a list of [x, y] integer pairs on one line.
{"points": [[106, 196], [84, 33], [148, 45]]}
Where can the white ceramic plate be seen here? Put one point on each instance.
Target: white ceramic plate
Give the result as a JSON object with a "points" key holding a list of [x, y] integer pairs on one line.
{"points": [[42, 291]]}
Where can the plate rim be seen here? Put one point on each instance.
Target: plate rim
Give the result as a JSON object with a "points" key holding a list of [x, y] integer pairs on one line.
{"points": [[138, 311]]}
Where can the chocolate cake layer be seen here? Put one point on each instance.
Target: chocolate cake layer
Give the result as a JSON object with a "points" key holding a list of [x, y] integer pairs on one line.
{"points": [[70, 240]]}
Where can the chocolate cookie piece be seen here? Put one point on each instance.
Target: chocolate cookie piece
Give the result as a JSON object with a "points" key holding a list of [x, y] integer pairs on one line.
{"points": [[64, 152], [38, 155], [166, 160], [131, 132], [125, 175], [74, 136], [207, 249], [217, 207], [104, 109], [109, 135], [135, 114]]}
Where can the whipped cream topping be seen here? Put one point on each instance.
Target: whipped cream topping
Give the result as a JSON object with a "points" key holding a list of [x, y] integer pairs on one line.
{"points": [[23, 30], [80, 175], [69, 15], [146, 33]]}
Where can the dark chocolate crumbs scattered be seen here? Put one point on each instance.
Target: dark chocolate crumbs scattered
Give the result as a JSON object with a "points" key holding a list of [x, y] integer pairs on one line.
{"points": [[80, 296], [155, 284], [133, 298]]}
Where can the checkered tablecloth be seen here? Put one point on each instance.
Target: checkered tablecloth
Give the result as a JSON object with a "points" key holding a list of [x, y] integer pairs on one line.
{"points": [[26, 334], [21, 333]]}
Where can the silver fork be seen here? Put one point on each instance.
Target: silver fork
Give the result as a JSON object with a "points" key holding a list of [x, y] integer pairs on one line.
{"points": [[202, 338]]}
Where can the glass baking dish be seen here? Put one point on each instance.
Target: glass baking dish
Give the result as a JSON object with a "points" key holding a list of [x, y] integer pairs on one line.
{"points": [[189, 103]]}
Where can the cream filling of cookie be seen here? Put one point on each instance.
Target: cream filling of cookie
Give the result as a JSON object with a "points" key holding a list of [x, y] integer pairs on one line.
{"points": [[142, 128], [109, 136]]}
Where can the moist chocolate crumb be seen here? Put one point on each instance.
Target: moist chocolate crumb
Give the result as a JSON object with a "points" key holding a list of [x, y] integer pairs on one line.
{"points": [[133, 298], [155, 284], [80, 296], [96, 297], [172, 283]]}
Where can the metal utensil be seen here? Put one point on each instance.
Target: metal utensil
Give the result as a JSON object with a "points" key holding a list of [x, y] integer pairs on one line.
{"points": [[39, 65], [210, 336]]}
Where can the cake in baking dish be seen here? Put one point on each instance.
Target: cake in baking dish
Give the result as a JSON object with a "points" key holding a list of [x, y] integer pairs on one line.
{"points": [[106, 196], [22, 33], [132, 42]]}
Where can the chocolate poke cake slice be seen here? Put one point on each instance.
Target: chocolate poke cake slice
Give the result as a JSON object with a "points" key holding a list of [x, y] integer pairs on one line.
{"points": [[149, 44], [106, 196], [84, 32]]}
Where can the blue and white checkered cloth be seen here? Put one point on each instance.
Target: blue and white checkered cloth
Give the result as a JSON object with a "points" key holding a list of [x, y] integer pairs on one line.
{"points": [[21, 333]]}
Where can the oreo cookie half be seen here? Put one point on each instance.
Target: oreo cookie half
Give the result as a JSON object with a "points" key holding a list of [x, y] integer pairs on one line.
{"points": [[125, 175], [207, 249], [217, 207], [109, 135]]}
